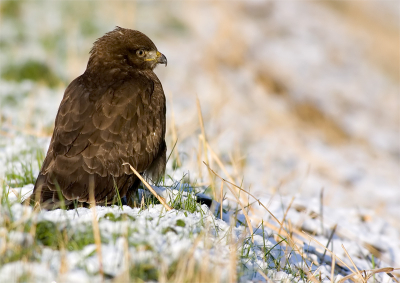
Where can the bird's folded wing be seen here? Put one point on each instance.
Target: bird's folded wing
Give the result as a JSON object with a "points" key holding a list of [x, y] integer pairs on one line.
{"points": [[97, 130]]}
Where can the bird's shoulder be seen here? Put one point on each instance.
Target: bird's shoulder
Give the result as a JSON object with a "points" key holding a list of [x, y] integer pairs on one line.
{"points": [[91, 117]]}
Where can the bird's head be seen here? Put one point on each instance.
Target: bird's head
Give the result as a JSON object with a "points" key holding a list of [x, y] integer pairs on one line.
{"points": [[126, 47]]}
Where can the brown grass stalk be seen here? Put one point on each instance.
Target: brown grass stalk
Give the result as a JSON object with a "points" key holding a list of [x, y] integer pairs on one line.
{"points": [[333, 267], [291, 242], [265, 276], [316, 241], [352, 262], [221, 199], [63, 263], [204, 140], [187, 260], [259, 202], [126, 253], [219, 162], [95, 223], [284, 216], [244, 212], [174, 132], [310, 276], [160, 199], [369, 274]]}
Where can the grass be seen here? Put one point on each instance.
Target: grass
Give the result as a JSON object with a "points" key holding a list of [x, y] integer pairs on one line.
{"points": [[31, 70], [270, 251], [60, 236], [20, 167], [273, 246], [10, 9], [270, 247]]}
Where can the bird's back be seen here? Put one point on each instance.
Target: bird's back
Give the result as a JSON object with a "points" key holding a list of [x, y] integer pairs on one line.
{"points": [[99, 128]]}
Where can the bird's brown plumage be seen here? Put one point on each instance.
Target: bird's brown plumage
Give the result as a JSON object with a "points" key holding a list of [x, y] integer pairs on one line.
{"points": [[112, 114]]}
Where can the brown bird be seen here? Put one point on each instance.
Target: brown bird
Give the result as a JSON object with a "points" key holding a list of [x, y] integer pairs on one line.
{"points": [[112, 114]]}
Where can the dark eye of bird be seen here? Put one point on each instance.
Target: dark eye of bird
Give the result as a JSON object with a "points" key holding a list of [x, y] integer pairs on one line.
{"points": [[140, 53]]}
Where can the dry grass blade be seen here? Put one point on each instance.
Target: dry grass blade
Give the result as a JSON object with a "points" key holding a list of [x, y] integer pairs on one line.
{"points": [[346, 278], [333, 267], [174, 132], [244, 212], [293, 238], [219, 162], [290, 241], [380, 270], [310, 276], [160, 199], [259, 202], [284, 216], [221, 199], [184, 267], [352, 262], [204, 139], [14, 192], [239, 202], [63, 260], [370, 273], [126, 254], [391, 276], [203, 132], [96, 231], [265, 276], [316, 241], [329, 240]]}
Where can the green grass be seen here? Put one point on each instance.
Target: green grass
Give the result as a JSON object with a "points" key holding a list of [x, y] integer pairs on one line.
{"points": [[31, 70], [55, 236], [59, 236], [20, 167], [67, 236], [10, 9]]}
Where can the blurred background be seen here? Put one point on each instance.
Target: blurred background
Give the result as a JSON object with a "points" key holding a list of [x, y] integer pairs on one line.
{"points": [[297, 96]]}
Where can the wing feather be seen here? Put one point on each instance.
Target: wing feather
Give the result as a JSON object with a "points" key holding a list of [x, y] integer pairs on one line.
{"points": [[97, 129]]}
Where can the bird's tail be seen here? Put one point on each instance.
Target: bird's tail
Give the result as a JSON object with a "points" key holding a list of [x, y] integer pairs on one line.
{"points": [[45, 198]]}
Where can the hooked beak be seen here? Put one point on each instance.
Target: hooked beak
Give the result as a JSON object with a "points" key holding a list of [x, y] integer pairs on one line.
{"points": [[156, 58], [161, 59]]}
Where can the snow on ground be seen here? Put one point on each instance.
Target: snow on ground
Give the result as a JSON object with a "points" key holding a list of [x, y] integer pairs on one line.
{"points": [[154, 237], [298, 97], [294, 102]]}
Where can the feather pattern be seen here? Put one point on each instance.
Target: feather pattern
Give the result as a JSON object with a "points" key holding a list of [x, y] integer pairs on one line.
{"points": [[112, 114]]}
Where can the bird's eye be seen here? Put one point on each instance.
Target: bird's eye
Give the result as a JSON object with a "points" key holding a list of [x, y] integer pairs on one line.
{"points": [[140, 53]]}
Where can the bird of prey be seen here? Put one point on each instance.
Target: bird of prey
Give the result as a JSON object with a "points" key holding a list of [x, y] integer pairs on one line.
{"points": [[114, 113]]}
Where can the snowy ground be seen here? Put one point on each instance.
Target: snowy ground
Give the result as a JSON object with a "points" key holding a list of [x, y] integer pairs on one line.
{"points": [[297, 97], [149, 243]]}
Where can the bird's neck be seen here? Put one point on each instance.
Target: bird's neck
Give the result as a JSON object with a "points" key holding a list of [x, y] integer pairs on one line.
{"points": [[101, 71]]}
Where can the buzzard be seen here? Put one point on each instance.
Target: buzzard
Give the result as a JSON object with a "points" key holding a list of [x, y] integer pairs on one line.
{"points": [[114, 113]]}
